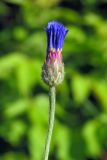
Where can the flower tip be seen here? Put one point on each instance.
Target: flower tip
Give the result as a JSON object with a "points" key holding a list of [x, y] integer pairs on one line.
{"points": [[56, 25], [56, 33]]}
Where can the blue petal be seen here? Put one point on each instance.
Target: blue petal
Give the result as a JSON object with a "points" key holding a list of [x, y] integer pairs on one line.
{"points": [[56, 33]]}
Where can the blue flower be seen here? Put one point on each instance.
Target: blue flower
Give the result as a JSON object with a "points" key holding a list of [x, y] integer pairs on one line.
{"points": [[56, 33]]}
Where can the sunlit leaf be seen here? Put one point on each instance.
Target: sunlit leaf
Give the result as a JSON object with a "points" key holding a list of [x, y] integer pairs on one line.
{"points": [[80, 87], [90, 136]]}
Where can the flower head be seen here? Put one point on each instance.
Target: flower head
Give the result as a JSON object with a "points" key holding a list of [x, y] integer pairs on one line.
{"points": [[53, 68], [56, 33]]}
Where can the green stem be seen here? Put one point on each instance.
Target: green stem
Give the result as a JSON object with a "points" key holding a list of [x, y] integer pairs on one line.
{"points": [[51, 121]]}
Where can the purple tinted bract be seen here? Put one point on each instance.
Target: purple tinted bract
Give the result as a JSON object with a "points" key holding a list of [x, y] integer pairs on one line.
{"points": [[56, 33]]}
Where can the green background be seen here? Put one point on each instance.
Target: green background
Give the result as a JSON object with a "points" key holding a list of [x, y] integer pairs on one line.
{"points": [[80, 131]]}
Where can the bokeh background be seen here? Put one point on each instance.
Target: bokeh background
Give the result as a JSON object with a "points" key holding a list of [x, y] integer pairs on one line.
{"points": [[80, 131]]}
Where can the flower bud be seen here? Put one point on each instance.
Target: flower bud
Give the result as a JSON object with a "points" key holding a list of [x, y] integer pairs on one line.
{"points": [[53, 68]]}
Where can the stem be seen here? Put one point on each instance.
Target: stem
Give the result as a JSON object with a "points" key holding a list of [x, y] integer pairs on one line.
{"points": [[51, 121]]}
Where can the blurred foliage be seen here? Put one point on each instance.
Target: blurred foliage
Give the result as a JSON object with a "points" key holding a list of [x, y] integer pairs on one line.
{"points": [[80, 131]]}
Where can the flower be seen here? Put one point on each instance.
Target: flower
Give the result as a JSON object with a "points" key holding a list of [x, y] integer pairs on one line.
{"points": [[53, 68], [56, 33]]}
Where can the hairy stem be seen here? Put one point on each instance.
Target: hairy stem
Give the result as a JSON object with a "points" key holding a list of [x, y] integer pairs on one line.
{"points": [[51, 121]]}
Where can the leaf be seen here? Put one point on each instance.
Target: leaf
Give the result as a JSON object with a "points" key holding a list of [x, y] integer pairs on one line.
{"points": [[90, 136], [61, 141], [16, 108], [100, 90], [14, 132], [13, 156], [80, 86], [38, 110], [9, 63], [17, 2], [36, 138], [28, 74]]}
